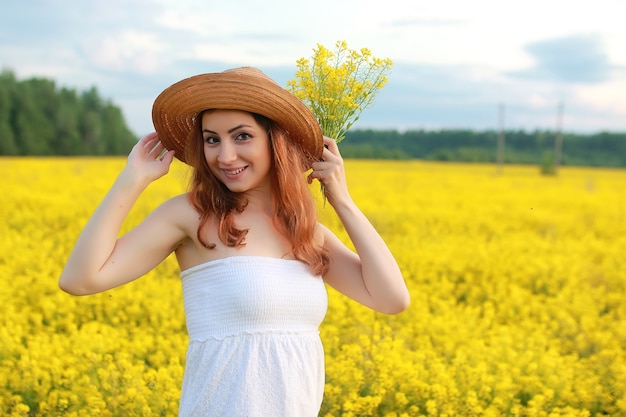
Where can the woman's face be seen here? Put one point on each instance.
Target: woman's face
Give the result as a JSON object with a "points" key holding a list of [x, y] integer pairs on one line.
{"points": [[237, 150]]}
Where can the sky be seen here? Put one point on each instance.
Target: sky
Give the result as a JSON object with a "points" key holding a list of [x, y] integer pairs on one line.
{"points": [[480, 64]]}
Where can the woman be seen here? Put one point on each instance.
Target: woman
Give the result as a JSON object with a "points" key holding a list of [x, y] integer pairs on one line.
{"points": [[252, 255]]}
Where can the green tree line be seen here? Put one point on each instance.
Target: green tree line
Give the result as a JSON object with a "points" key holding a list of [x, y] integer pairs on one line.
{"points": [[37, 118], [604, 149]]}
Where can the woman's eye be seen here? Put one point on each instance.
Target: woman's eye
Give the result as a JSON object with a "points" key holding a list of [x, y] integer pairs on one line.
{"points": [[211, 139], [243, 136]]}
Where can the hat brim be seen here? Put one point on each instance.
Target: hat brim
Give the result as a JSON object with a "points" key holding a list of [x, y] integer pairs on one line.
{"points": [[175, 110]]}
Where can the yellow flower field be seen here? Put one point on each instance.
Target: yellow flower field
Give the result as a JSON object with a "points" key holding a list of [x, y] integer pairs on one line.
{"points": [[518, 286]]}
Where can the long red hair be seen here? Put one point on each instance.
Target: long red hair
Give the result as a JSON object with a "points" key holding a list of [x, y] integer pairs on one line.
{"points": [[295, 215]]}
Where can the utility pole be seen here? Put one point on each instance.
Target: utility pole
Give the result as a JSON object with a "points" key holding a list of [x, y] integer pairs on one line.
{"points": [[500, 152], [558, 142]]}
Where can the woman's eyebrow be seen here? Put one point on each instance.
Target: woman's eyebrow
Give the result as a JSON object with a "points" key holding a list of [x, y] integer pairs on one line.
{"points": [[229, 131]]}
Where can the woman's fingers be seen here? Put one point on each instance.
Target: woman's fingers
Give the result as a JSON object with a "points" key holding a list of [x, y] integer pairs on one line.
{"points": [[152, 146], [330, 143], [157, 148], [148, 139]]}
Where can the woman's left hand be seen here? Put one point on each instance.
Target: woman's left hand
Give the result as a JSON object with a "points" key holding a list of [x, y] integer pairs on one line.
{"points": [[330, 172], [370, 276]]}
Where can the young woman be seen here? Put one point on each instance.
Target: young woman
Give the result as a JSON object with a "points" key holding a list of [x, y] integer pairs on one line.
{"points": [[254, 260]]}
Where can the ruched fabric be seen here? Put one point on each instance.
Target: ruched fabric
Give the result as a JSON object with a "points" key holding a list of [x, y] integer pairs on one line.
{"points": [[254, 346]]}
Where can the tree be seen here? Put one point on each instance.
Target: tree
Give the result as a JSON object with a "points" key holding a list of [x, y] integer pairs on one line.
{"points": [[115, 130], [8, 146], [68, 139], [37, 118]]}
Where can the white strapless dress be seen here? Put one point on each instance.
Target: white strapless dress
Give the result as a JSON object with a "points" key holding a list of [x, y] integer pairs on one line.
{"points": [[254, 344]]}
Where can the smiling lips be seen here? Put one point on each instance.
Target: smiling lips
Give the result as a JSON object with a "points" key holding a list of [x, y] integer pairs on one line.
{"points": [[233, 173]]}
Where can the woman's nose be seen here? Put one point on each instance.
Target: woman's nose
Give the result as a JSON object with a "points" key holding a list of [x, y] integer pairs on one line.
{"points": [[227, 153]]}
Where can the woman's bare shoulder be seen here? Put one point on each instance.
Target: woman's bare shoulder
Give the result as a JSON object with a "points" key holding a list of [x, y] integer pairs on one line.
{"points": [[179, 201], [179, 210], [321, 233]]}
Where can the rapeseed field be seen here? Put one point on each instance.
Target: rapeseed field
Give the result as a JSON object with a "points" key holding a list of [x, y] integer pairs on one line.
{"points": [[518, 285]]}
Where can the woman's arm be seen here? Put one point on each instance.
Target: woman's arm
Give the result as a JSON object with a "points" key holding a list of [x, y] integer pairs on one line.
{"points": [[99, 260], [370, 276]]}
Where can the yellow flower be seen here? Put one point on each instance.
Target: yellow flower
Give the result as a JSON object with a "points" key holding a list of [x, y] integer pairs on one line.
{"points": [[515, 312], [338, 85]]}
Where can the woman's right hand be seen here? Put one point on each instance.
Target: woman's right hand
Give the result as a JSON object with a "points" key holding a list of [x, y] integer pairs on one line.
{"points": [[149, 159], [100, 260]]}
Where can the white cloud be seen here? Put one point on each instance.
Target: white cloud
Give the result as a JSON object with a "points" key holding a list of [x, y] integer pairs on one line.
{"points": [[196, 24], [539, 101], [454, 58], [131, 51], [606, 99]]}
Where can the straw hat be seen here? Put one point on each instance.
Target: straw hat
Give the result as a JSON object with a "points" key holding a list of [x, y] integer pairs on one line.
{"points": [[175, 110]]}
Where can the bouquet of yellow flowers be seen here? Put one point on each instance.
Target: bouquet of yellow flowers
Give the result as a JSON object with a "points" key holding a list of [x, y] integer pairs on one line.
{"points": [[337, 86]]}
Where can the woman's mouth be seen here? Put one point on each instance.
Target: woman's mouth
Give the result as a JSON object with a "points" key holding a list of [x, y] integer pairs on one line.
{"points": [[234, 173]]}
